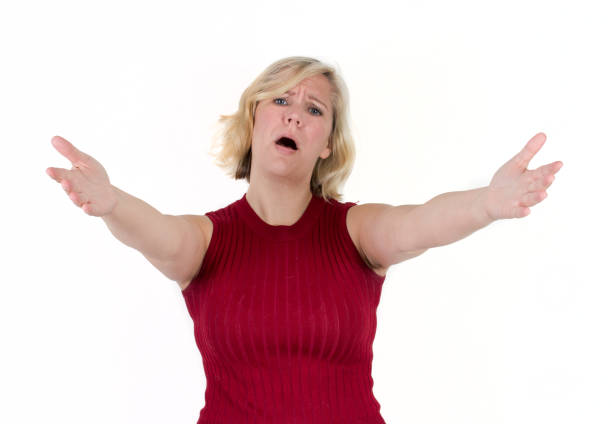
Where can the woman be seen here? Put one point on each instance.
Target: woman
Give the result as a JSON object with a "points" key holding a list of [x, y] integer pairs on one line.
{"points": [[283, 284]]}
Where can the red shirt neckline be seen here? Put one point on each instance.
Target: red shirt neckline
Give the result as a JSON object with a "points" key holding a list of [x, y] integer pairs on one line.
{"points": [[281, 232]]}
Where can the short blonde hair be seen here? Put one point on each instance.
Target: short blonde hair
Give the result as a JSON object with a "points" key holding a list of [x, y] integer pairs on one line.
{"points": [[233, 139]]}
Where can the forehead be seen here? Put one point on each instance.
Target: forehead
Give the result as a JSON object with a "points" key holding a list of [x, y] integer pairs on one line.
{"points": [[318, 84]]}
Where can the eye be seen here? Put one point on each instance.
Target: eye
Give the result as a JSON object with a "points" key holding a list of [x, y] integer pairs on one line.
{"points": [[318, 111]]}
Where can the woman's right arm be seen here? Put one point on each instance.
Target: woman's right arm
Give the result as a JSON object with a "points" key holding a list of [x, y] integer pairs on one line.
{"points": [[173, 244]]}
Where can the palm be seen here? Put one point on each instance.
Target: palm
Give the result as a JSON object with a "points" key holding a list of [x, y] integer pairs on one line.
{"points": [[514, 188], [87, 183]]}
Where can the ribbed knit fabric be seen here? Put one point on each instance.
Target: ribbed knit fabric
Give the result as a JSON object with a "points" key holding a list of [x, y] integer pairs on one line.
{"points": [[285, 317]]}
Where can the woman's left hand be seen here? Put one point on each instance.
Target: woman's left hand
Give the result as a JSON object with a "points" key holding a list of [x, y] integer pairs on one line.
{"points": [[514, 188]]}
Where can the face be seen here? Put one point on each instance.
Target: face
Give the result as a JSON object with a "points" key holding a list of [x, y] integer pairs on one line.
{"points": [[304, 113]]}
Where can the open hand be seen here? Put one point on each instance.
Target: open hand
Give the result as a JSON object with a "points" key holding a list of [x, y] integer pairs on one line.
{"points": [[87, 183], [514, 188]]}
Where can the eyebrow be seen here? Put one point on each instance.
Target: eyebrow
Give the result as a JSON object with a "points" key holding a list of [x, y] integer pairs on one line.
{"points": [[310, 96]]}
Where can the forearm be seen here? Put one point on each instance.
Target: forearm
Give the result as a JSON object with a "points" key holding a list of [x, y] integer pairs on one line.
{"points": [[448, 217], [142, 227]]}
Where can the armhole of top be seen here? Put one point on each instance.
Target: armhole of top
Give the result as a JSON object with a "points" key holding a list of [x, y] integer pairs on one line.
{"points": [[349, 241], [210, 251]]}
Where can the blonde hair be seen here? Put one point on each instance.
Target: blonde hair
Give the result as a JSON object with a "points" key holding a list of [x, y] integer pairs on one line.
{"points": [[233, 139]]}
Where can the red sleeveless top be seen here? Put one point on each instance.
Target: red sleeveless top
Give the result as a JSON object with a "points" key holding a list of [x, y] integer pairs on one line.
{"points": [[285, 317]]}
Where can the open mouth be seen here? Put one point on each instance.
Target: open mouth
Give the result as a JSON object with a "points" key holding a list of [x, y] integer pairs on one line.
{"points": [[287, 142]]}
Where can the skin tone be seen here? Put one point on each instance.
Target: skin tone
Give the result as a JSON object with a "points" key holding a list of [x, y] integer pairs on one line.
{"points": [[514, 188], [279, 188], [394, 234], [87, 183]]}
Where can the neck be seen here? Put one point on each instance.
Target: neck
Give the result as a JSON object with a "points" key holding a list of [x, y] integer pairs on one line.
{"points": [[278, 202]]}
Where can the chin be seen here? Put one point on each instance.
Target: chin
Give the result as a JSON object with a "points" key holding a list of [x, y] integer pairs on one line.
{"points": [[285, 172]]}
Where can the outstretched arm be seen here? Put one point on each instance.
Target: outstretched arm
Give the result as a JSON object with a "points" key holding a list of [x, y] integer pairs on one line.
{"points": [[171, 243], [394, 234]]}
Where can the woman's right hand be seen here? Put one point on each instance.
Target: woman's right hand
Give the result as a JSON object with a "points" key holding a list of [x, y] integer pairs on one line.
{"points": [[87, 183]]}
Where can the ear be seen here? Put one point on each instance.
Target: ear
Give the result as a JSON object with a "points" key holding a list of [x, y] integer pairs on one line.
{"points": [[325, 153]]}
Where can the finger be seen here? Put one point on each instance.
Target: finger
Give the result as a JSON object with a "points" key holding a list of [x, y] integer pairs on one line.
{"points": [[556, 166], [546, 182], [53, 173], [549, 169], [67, 186], [58, 174], [532, 147], [520, 212], [87, 208], [74, 155], [76, 199], [544, 175], [534, 198], [541, 183], [62, 176]]}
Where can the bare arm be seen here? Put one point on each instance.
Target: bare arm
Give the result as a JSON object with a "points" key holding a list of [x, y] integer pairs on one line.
{"points": [[392, 234], [160, 238], [389, 235], [445, 219], [173, 244]]}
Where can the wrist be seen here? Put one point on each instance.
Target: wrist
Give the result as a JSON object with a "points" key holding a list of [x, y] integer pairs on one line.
{"points": [[116, 195], [482, 203]]}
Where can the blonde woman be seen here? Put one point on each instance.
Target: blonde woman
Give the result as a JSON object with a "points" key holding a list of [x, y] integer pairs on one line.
{"points": [[283, 284]]}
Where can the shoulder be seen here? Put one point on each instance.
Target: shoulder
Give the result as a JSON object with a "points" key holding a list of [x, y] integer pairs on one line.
{"points": [[201, 233], [202, 223], [360, 213], [358, 217], [206, 226], [204, 230]]}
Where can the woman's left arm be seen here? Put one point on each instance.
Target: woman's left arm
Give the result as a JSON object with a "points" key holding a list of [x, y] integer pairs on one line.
{"points": [[399, 232]]}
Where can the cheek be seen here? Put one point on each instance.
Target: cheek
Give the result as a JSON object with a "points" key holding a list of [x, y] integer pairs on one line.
{"points": [[325, 130], [262, 112], [260, 122]]}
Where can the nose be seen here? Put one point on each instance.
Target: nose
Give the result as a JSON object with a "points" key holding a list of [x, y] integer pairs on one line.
{"points": [[292, 116]]}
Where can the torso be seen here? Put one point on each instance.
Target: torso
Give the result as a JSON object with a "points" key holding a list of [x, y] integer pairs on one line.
{"points": [[352, 226]]}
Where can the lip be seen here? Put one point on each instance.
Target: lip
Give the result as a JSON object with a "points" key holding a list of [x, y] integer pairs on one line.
{"points": [[285, 150], [291, 136]]}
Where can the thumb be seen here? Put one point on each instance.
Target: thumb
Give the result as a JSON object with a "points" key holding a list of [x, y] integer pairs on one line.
{"points": [[68, 150], [532, 147]]}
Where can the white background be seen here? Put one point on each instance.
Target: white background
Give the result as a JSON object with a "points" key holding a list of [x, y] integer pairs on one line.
{"points": [[510, 325]]}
